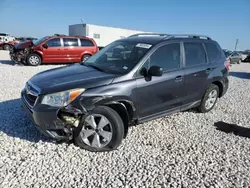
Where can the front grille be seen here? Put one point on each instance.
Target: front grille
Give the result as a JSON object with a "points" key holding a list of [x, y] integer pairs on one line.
{"points": [[31, 99], [30, 94]]}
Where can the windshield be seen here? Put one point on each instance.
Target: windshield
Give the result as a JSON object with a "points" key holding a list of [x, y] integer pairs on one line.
{"points": [[39, 41], [119, 57]]}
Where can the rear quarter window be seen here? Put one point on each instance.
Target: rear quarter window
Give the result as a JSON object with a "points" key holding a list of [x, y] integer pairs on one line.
{"points": [[86, 42], [214, 53]]}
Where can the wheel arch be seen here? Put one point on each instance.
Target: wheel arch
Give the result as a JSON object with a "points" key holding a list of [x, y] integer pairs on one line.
{"points": [[85, 53], [39, 53], [220, 86], [125, 111]]}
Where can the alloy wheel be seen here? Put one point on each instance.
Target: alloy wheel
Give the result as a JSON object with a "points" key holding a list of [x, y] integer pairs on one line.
{"points": [[212, 97], [97, 131], [34, 60]]}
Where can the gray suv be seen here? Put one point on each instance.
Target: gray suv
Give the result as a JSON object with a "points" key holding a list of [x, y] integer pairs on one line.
{"points": [[130, 81]]}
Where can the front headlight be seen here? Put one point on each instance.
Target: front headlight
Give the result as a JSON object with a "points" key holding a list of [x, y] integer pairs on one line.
{"points": [[62, 98]]}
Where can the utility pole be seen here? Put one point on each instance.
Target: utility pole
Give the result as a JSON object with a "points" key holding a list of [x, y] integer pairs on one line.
{"points": [[82, 22], [237, 40]]}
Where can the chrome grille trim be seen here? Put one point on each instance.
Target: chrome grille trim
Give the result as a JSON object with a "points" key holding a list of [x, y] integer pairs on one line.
{"points": [[32, 90]]}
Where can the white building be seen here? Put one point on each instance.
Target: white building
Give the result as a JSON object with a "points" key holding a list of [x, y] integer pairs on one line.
{"points": [[103, 35]]}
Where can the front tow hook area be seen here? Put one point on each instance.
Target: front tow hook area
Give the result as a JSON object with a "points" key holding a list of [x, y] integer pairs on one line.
{"points": [[71, 118]]}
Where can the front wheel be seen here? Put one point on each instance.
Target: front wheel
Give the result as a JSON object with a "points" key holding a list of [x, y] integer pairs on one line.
{"points": [[102, 130], [209, 99], [34, 60]]}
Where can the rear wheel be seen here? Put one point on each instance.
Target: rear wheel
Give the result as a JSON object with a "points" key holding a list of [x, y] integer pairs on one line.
{"points": [[209, 99], [101, 130], [34, 60], [85, 58]]}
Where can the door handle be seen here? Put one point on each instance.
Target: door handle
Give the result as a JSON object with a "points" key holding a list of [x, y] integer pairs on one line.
{"points": [[65, 49], [178, 78], [58, 49]]}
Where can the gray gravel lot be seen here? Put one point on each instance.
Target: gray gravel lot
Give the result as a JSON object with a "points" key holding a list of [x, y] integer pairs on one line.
{"points": [[182, 150]]}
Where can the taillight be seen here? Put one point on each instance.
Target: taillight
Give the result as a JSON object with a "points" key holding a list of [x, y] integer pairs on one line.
{"points": [[227, 64]]}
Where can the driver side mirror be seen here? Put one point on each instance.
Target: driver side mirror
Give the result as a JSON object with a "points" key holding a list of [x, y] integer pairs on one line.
{"points": [[45, 46], [155, 71]]}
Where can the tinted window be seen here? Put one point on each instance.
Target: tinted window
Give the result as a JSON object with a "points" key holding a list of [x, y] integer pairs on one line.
{"points": [[86, 42], [70, 42], [194, 53], [168, 57], [213, 52], [54, 42]]}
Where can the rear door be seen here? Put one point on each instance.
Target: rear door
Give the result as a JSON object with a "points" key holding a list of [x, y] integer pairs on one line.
{"points": [[71, 49], [54, 52], [197, 72]]}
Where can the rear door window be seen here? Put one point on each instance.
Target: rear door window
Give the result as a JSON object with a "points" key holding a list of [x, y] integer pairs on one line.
{"points": [[70, 42], [213, 51], [86, 42], [194, 54], [56, 42]]}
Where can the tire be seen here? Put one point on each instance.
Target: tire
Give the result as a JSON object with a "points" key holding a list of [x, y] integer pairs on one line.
{"points": [[6, 47], [213, 90], [85, 57], [114, 128], [34, 60]]}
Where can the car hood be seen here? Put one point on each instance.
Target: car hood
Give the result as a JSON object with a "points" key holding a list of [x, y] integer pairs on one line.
{"points": [[70, 77], [25, 44]]}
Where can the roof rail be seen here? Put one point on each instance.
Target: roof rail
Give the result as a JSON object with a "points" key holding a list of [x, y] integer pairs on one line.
{"points": [[148, 34], [59, 34], [167, 36], [189, 36]]}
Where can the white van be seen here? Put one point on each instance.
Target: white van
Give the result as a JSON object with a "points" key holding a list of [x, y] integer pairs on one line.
{"points": [[6, 37]]}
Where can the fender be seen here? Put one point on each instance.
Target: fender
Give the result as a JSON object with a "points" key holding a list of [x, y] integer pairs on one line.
{"points": [[39, 52], [87, 103], [86, 52]]}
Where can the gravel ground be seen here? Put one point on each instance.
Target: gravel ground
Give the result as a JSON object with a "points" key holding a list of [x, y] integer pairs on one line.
{"points": [[183, 150]]}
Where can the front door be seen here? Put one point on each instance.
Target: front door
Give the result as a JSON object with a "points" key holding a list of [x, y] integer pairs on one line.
{"points": [[158, 95], [54, 52]]}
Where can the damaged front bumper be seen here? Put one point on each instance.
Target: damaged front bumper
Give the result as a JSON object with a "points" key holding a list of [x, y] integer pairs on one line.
{"points": [[19, 55], [52, 121], [18, 58]]}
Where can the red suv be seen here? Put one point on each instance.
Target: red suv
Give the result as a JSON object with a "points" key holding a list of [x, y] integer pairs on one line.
{"points": [[54, 49]]}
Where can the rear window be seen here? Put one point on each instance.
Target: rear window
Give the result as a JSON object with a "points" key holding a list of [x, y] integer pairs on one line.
{"points": [[213, 52], [86, 42], [70, 42]]}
